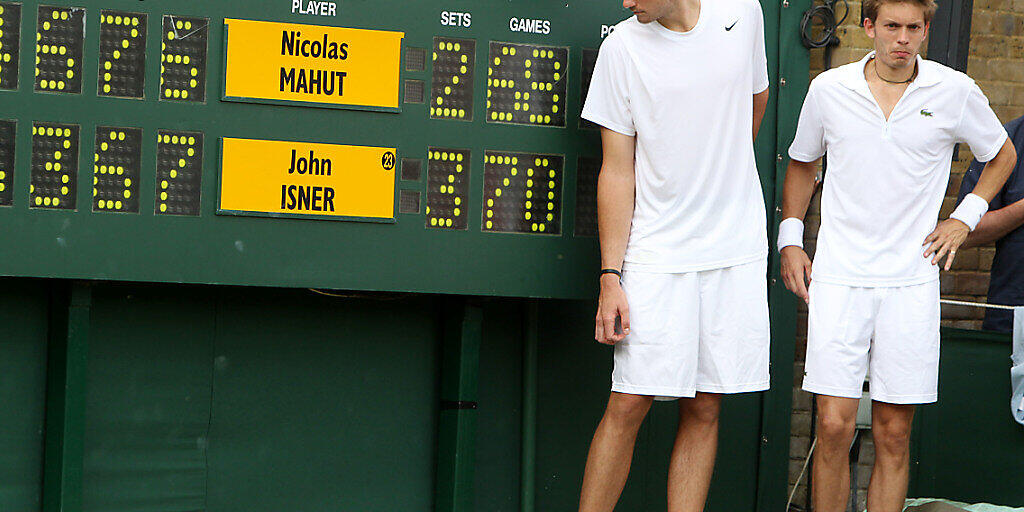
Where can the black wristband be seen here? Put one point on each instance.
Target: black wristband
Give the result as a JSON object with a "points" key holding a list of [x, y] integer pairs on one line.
{"points": [[611, 271]]}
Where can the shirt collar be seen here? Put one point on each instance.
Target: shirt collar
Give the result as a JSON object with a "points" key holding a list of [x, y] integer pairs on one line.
{"points": [[927, 74]]}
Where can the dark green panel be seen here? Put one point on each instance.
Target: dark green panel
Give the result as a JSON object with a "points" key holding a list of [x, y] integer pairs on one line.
{"points": [[788, 65], [984, 463], [23, 317], [148, 405], [500, 407], [574, 380], [323, 403]]}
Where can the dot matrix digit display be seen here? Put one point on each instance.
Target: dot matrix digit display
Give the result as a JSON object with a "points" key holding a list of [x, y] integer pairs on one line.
{"points": [[451, 91], [122, 57], [60, 35], [526, 84], [179, 172], [589, 61], [586, 196], [7, 132], [116, 169], [10, 44], [447, 188], [183, 59], [522, 192], [54, 173]]}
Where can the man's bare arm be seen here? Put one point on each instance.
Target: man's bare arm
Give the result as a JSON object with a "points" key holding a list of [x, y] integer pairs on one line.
{"points": [[996, 172], [996, 224], [615, 196], [760, 105], [796, 197], [951, 233], [798, 188], [615, 202]]}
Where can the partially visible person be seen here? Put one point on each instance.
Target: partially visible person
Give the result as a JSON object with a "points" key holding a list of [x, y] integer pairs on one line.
{"points": [[1004, 225], [889, 124]]}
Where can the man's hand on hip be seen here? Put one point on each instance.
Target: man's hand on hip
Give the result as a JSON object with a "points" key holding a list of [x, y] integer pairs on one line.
{"points": [[946, 238]]}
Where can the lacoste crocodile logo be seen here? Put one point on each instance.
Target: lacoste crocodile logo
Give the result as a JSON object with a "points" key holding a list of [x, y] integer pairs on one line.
{"points": [[926, 113]]}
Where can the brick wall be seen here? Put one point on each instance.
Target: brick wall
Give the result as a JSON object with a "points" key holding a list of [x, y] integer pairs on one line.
{"points": [[996, 62]]}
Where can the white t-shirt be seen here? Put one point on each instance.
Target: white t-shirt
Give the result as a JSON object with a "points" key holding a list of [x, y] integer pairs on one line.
{"points": [[886, 179], [688, 99]]}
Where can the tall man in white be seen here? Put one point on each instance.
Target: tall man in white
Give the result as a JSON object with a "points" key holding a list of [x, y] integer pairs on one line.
{"points": [[889, 124], [679, 91]]}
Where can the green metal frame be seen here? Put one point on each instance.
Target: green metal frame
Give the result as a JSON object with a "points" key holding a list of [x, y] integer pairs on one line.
{"points": [[460, 373], [65, 399], [790, 80]]}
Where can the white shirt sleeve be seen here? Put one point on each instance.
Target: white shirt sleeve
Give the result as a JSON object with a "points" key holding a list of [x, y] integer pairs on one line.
{"points": [[809, 142], [759, 59], [979, 127], [608, 97]]}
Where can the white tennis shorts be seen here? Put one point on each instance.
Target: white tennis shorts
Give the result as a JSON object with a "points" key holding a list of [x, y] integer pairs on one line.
{"points": [[894, 330], [699, 331]]}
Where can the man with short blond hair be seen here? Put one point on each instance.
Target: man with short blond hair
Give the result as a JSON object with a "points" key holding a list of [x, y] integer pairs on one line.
{"points": [[889, 123]]}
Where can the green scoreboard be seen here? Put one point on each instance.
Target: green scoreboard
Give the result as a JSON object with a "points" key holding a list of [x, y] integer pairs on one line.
{"points": [[389, 145]]}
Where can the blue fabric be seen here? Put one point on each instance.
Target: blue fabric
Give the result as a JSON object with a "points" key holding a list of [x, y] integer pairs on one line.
{"points": [[1007, 284], [1017, 371]]}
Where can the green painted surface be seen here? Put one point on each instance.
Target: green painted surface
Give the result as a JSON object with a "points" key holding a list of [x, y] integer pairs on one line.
{"points": [[967, 447], [23, 317], [457, 427], [305, 253], [148, 419], [792, 65], [66, 386], [225, 399]]}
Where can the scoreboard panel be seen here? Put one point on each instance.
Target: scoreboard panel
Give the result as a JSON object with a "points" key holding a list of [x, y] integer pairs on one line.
{"points": [[483, 175]]}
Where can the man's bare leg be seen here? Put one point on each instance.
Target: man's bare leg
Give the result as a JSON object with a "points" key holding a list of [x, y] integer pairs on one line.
{"points": [[890, 428], [693, 456], [837, 419], [611, 451]]}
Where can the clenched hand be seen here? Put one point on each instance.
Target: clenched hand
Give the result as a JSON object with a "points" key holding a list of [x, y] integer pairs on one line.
{"points": [[611, 306], [796, 271]]}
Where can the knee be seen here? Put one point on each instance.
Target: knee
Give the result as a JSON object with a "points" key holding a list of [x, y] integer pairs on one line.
{"points": [[835, 429], [701, 409], [627, 410], [891, 438]]}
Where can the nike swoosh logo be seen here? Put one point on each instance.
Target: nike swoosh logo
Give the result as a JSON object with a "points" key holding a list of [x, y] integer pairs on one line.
{"points": [[731, 26]]}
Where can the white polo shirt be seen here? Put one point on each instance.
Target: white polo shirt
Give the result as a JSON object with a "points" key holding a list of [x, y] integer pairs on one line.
{"points": [[688, 99], [886, 178]]}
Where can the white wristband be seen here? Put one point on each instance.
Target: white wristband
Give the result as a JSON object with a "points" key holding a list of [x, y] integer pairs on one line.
{"points": [[791, 232], [970, 210]]}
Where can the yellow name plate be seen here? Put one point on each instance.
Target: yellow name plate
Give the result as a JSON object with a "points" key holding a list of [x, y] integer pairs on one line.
{"points": [[296, 179], [311, 65]]}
